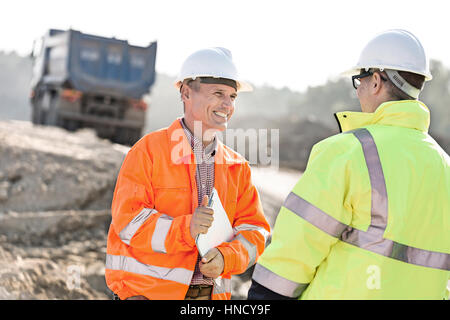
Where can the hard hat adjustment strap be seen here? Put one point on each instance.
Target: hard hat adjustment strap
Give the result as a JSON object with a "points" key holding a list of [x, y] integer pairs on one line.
{"points": [[402, 84], [225, 81]]}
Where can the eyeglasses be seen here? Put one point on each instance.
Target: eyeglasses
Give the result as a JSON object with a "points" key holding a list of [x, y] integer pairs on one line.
{"points": [[356, 79]]}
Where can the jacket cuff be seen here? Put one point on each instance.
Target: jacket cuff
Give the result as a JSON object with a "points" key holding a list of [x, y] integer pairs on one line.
{"points": [[229, 257]]}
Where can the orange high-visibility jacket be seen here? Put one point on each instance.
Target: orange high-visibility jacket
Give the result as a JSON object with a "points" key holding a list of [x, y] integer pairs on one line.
{"points": [[150, 250]]}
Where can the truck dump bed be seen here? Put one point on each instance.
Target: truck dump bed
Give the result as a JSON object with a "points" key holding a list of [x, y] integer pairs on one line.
{"points": [[91, 63]]}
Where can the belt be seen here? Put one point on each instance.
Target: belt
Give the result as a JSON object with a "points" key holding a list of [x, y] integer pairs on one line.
{"points": [[199, 292]]}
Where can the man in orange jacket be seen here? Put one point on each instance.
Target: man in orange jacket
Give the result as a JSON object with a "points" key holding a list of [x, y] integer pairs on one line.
{"points": [[161, 195]]}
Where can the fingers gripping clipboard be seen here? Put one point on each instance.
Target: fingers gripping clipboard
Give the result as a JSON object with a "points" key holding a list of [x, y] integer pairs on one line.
{"points": [[220, 230]]}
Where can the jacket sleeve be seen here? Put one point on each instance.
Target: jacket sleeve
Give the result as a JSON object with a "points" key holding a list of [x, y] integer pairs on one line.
{"points": [[259, 292], [250, 228], [309, 223], [134, 218]]}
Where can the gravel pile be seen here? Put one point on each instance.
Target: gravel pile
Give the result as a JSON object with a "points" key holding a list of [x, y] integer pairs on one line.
{"points": [[56, 190]]}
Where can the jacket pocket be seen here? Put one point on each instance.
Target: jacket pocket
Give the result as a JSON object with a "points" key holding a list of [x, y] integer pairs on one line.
{"points": [[172, 196]]}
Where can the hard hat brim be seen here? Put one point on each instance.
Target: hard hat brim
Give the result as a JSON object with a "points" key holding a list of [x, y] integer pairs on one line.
{"points": [[350, 72], [355, 70], [243, 86]]}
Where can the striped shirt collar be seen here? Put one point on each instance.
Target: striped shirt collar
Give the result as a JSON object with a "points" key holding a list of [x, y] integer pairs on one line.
{"points": [[197, 145]]}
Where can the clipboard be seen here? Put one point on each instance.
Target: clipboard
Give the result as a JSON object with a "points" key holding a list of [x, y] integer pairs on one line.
{"points": [[220, 230]]}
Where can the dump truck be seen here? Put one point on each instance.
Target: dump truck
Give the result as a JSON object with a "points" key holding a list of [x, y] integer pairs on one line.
{"points": [[81, 80]]}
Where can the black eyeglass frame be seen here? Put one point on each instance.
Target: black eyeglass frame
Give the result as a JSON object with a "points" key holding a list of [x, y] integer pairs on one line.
{"points": [[363, 75]]}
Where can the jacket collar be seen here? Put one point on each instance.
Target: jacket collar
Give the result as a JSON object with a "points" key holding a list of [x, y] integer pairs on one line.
{"points": [[411, 114], [181, 150], [197, 144]]}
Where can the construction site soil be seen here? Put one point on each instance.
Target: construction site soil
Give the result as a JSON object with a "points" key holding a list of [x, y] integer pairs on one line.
{"points": [[56, 190]]}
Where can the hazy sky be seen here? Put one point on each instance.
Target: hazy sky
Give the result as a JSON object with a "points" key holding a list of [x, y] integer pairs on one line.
{"points": [[281, 43]]}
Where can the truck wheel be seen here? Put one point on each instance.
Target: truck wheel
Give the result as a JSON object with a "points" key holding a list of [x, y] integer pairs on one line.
{"points": [[35, 114], [52, 116], [70, 125], [127, 136], [134, 136]]}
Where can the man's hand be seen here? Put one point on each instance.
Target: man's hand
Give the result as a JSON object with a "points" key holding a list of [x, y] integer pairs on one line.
{"points": [[201, 219], [212, 263]]}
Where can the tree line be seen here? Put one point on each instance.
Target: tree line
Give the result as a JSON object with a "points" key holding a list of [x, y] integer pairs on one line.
{"points": [[306, 115]]}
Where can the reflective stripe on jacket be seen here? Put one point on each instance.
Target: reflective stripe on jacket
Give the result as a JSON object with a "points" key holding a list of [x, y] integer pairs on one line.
{"points": [[370, 216], [150, 250]]}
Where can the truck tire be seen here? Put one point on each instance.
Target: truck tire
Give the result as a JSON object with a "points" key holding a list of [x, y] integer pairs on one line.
{"points": [[70, 125], [52, 117], [37, 113], [127, 136]]}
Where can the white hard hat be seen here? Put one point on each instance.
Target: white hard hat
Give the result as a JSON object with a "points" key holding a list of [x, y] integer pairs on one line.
{"points": [[211, 62], [396, 50]]}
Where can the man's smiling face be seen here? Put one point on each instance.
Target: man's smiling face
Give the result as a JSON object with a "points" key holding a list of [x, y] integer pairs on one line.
{"points": [[212, 104]]}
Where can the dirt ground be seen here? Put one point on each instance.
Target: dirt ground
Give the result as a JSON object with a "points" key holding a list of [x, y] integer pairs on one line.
{"points": [[55, 195]]}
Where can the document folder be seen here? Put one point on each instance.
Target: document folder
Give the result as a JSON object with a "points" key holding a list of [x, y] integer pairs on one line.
{"points": [[220, 231]]}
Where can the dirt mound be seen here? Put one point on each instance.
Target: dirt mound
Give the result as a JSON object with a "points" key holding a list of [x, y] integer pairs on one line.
{"points": [[46, 168], [53, 255], [55, 195], [56, 189]]}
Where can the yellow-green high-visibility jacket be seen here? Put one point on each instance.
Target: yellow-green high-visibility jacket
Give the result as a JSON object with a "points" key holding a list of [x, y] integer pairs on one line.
{"points": [[370, 216]]}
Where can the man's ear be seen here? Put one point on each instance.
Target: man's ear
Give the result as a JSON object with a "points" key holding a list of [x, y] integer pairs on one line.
{"points": [[185, 92], [376, 83]]}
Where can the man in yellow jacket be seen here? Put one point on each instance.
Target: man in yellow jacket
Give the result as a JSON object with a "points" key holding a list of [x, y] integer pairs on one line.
{"points": [[370, 217]]}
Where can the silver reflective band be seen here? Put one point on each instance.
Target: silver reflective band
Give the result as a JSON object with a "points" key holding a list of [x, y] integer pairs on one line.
{"points": [[278, 284], [250, 247], [372, 239], [251, 227], [129, 264], [128, 232], [391, 249], [379, 202], [402, 84], [222, 285], [314, 215], [162, 227]]}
